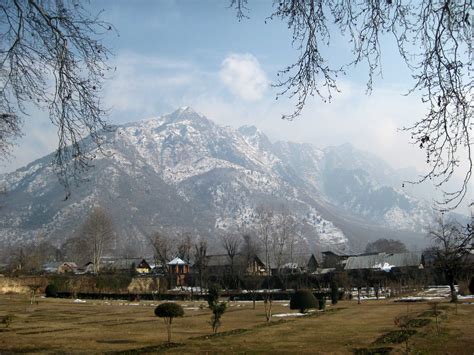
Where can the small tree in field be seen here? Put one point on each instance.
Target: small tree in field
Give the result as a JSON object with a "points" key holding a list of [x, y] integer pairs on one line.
{"points": [[217, 308], [303, 300], [168, 311]]}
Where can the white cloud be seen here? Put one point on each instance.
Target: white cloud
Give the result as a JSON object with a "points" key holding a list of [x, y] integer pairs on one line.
{"points": [[244, 77]]}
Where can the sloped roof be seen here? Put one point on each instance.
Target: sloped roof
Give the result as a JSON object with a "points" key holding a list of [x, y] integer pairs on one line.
{"points": [[218, 260], [383, 261], [125, 264], [177, 261]]}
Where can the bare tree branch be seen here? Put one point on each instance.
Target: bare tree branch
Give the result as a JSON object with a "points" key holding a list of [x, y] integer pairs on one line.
{"points": [[51, 58], [434, 38]]}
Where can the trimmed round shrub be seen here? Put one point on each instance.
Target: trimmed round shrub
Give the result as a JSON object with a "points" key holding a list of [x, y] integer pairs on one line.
{"points": [[169, 310], [51, 291], [303, 300]]}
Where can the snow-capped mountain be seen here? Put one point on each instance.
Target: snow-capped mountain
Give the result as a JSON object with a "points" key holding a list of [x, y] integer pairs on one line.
{"points": [[185, 172]]}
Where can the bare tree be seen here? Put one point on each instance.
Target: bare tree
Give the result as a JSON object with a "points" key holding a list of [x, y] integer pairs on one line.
{"points": [[97, 232], [451, 244], [184, 247], [283, 239], [434, 38], [200, 259], [164, 249], [264, 224], [386, 245], [51, 57], [231, 244]]}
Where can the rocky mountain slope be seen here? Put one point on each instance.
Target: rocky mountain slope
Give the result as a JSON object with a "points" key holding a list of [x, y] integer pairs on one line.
{"points": [[183, 172]]}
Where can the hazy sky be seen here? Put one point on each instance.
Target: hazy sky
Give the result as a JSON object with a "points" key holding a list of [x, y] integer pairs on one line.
{"points": [[196, 53]]}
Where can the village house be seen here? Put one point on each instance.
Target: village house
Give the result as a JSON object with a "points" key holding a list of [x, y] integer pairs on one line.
{"points": [[137, 265], [178, 270], [60, 267], [220, 264], [385, 261]]}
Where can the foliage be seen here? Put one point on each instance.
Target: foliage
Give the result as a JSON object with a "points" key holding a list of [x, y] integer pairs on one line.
{"points": [[217, 308], [303, 300], [51, 290], [213, 294], [168, 311], [321, 303], [386, 245], [52, 57]]}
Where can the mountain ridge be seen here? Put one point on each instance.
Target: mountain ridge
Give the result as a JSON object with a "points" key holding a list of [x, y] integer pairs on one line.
{"points": [[214, 178]]}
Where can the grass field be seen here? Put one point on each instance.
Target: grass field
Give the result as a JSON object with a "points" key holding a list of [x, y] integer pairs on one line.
{"points": [[60, 325]]}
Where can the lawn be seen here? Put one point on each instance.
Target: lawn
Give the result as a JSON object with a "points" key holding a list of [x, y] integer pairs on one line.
{"points": [[61, 325]]}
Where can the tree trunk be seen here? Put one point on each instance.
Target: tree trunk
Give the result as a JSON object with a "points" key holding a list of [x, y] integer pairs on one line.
{"points": [[169, 329]]}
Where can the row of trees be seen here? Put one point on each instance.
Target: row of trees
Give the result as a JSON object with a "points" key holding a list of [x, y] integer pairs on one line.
{"points": [[277, 239], [89, 244]]}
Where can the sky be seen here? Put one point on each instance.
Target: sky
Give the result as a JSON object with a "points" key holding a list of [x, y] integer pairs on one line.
{"points": [[172, 53]]}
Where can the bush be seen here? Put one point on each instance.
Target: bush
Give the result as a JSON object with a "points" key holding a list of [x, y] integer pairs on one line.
{"points": [[217, 311], [322, 303], [217, 308], [51, 291], [303, 300], [213, 294]]}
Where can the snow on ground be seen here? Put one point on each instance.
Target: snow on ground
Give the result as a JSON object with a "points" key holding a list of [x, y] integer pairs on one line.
{"points": [[289, 315]]}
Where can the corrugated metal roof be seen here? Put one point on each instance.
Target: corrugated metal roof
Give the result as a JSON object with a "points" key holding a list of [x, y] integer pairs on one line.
{"points": [[383, 261]]}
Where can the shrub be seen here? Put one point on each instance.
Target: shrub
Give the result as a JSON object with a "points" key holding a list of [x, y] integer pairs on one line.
{"points": [[213, 295], [217, 308], [217, 311], [51, 291], [322, 303], [303, 300], [168, 311]]}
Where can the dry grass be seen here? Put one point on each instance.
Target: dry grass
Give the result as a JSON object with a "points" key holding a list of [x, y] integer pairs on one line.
{"points": [[56, 325]]}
